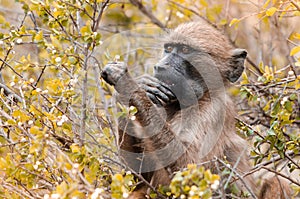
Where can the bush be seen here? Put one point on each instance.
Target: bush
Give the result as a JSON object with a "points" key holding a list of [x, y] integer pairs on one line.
{"points": [[58, 122]]}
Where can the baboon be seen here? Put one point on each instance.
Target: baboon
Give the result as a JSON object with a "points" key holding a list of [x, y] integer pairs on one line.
{"points": [[184, 114]]}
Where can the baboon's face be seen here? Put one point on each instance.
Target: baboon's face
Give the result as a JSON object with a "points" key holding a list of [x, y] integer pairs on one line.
{"points": [[197, 59], [190, 72], [180, 68]]}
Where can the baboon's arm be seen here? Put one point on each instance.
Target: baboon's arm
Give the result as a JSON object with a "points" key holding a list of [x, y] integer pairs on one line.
{"points": [[155, 127]]}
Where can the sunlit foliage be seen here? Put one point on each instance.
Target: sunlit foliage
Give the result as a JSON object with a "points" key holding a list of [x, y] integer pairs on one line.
{"points": [[58, 122]]}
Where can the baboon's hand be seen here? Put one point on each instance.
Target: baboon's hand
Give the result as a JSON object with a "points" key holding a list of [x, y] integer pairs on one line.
{"points": [[113, 72], [157, 91]]}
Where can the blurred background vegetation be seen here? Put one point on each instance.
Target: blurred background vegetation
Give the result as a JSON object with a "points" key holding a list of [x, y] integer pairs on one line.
{"points": [[58, 119]]}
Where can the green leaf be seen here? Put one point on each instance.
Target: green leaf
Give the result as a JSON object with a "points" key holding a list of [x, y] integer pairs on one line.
{"points": [[293, 97], [275, 109], [288, 106], [267, 106], [271, 132]]}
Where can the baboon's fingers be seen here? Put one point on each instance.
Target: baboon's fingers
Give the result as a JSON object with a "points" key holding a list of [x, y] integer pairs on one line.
{"points": [[153, 82], [156, 92], [154, 99], [113, 72]]}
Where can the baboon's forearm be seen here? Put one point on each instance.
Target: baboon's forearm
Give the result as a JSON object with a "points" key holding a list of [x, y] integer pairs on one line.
{"points": [[156, 129]]}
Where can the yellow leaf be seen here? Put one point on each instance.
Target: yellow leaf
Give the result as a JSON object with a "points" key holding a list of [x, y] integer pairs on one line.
{"points": [[296, 36], [23, 59], [3, 164], [68, 166], [39, 37], [234, 21], [34, 130], [191, 166], [297, 84], [296, 13], [270, 12], [2, 19], [34, 148], [204, 3], [118, 177], [215, 177], [210, 14], [297, 63], [62, 188], [223, 22], [267, 71], [55, 42], [22, 30], [261, 67], [21, 116], [295, 50], [282, 15], [245, 79], [266, 4], [57, 13], [86, 30], [75, 148], [11, 122]]}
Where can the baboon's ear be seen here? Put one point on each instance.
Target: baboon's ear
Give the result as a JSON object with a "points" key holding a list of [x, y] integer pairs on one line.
{"points": [[236, 64]]}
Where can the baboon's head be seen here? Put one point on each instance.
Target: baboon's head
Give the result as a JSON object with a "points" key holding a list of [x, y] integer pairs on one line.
{"points": [[197, 58]]}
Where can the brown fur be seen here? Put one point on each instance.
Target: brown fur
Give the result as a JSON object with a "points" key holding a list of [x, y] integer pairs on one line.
{"points": [[275, 188], [194, 122], [189, 132]]}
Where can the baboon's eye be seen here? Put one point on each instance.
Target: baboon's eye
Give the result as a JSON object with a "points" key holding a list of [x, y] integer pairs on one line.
{"points": [[185, 50], [168, 49]]}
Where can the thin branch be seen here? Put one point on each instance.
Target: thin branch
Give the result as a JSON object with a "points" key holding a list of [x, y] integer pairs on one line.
{"points": [[8, 92], [280, 174], [195, 12], [104, 5], [40, 76], [16, 190], [275, 159], [140, 177], [239, 176], [84, 101], [149, 14], [9, 66], [24, 187], [295, 4], [254, 65], [250, 127], [234, 167]]}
